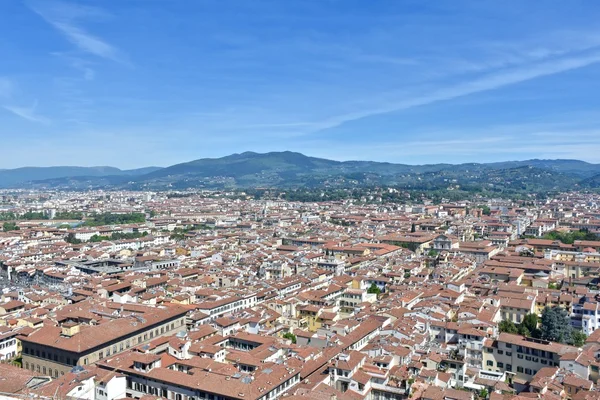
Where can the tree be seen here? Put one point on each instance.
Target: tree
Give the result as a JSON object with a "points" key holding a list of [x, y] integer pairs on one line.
{"points": [[374, 289], [555, 325], [578, 338], [72, 239], [483, 393], [571, 237], [10, 226], [115, 219], [409, 384], [507, 326], [522, 330], [530, 322], [290, 336], [553, 285]]}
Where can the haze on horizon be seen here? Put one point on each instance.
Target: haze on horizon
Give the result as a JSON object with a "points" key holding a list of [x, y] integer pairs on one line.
{"points": [[132, 84]]}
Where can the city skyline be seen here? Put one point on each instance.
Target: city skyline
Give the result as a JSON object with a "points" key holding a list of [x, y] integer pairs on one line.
{"points": [[131, 85]]}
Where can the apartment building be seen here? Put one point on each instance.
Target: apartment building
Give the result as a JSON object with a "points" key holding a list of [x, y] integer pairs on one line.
{"points": [[9, 345], [146, 375], [586, 316], [56, 349], [227, 305], [522, 356]]}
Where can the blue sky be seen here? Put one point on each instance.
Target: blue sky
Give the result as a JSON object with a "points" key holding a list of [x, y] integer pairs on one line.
{"points": [[132, 83]]}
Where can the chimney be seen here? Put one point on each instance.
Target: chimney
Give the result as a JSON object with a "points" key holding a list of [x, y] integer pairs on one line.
{"points": [[70, 329]]}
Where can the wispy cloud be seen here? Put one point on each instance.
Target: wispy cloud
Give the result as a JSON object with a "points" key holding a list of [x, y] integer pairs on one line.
{"points": [[552, 139], [66, 18], [481, 84], [28, 113]]}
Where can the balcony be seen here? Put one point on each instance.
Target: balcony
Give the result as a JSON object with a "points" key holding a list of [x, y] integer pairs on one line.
{"points": [[386, 388], [473, 346]]}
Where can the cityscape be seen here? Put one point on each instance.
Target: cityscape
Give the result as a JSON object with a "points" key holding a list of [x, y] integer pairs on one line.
{"points": [[202, 294]]}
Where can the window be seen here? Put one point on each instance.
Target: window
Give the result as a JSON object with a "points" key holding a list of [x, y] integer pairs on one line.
{"points": [[490, 363], [527, 371], [509, 367], [500, 364], [519, 369], [509, 353], [500, 352]]}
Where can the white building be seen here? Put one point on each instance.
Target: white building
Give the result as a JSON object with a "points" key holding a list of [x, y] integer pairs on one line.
{"points": [[8, 344]]}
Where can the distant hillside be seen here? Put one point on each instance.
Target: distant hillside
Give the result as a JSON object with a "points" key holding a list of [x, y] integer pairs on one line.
{"points": [[18, 176], [289, 169], [294, 170]]}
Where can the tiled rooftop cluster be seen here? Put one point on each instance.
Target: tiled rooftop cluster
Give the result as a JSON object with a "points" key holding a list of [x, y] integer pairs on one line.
{"points": [[213, 297]]}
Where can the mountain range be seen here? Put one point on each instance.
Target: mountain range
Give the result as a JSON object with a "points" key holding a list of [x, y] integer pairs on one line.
{"points": [[291, 170]]}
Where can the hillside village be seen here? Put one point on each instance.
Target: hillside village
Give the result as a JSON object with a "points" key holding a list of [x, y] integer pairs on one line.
{"points": [[112, 295]]}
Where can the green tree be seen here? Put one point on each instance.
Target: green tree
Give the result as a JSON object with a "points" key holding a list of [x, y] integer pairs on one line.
{"points": [[553, 285], [522, 330], [374, 289], [530, 322], [571, 237], [556, 325], [68, 215], [30, 215], [72, 239], [483, 393], [10, 226], [508, 327], [578, 338], [290, 336], [115, 219]]}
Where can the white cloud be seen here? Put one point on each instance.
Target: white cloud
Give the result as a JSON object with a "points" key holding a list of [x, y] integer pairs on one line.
{"points": [[28, 113], [485, 83], [65, 17]]}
